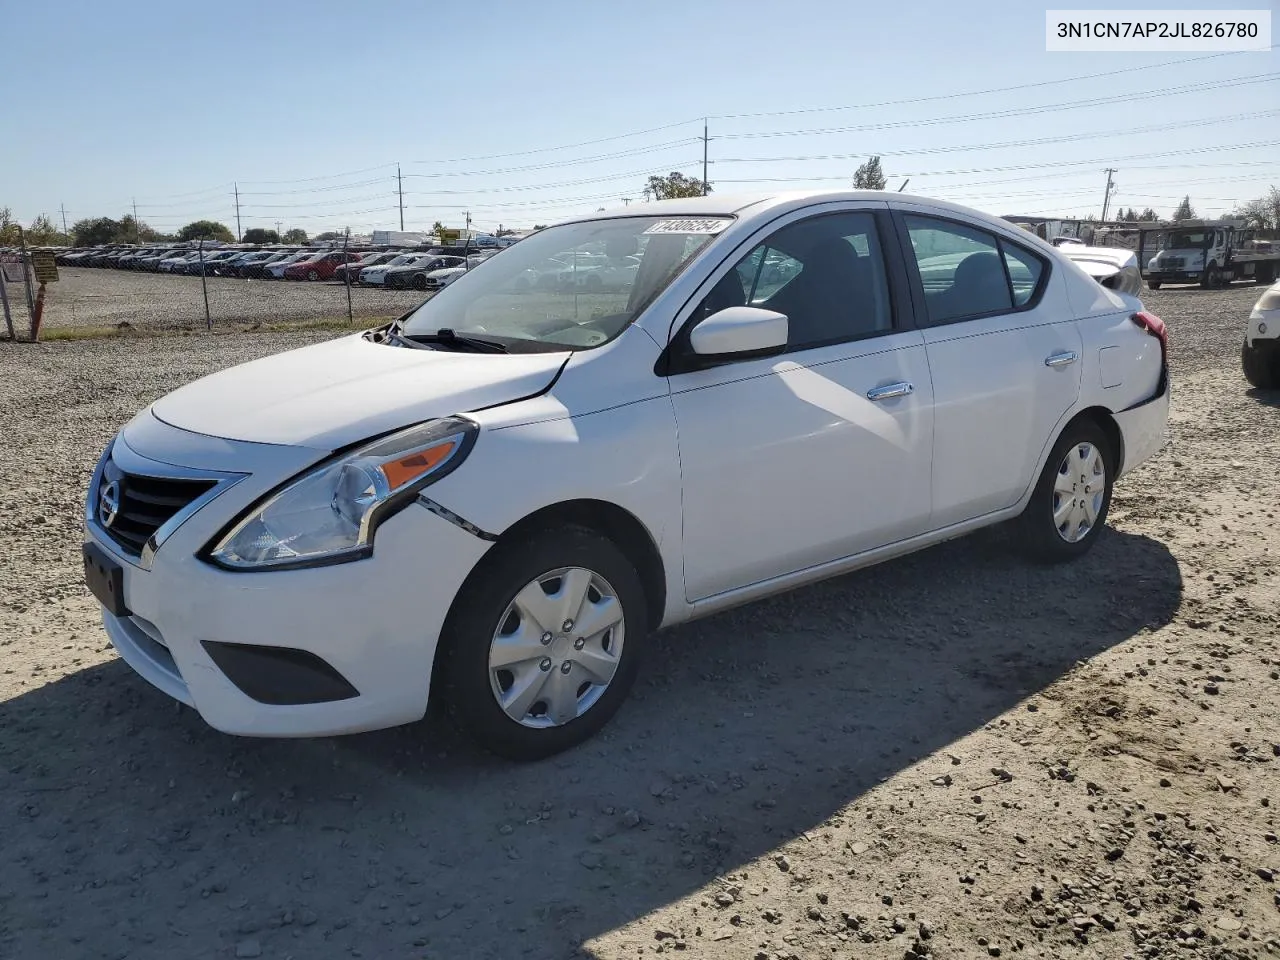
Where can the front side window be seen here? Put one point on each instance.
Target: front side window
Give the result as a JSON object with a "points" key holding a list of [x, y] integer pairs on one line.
{"points": [[967, 272], [573, 286], [827, 274]]}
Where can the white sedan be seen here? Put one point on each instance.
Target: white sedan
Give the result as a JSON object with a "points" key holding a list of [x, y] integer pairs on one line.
{"points": [[496, 498], [1260, 353]]}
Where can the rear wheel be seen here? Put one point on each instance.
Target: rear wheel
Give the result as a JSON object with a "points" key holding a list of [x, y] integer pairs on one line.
{"points": [[1261, 367], [543, 644], [1153, 284], [313, 275], [1069, 506]]}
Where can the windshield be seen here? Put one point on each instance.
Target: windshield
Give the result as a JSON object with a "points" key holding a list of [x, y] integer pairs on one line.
{"points": [[1185, 239], [574, 286]]}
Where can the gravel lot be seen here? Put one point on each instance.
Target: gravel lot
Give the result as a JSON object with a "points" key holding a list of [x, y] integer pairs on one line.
{"points": [[96, 297], [950, 755]]}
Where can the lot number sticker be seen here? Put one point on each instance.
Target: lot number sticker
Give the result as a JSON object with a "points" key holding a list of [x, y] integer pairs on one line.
{"points": [[700, 225]]}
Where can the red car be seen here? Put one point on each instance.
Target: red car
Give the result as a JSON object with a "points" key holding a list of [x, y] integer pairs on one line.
{"points": [[319, 267]]}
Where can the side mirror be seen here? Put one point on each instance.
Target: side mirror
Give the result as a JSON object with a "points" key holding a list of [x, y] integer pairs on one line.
{"points": [[739, 333]]}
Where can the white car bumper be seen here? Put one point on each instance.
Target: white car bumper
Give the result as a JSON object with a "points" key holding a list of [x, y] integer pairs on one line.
{"points": [[368, 628]]}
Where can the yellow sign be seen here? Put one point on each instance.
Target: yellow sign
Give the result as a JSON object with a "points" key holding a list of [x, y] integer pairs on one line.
{"points": [[449, 238], [45, 266]]}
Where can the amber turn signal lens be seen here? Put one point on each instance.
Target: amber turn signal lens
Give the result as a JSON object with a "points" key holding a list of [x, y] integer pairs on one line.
{"points": [[409, 468]]}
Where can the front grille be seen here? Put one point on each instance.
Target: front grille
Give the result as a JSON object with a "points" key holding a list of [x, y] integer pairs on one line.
{"points": [[146, 503], [1173, 263]]}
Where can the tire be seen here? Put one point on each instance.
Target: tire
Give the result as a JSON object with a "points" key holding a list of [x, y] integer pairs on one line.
{"points": [[471, 686], [312, 275], [1041, 536], [1261, 368], [1211, 280], [419, 281], [1153, 284]]}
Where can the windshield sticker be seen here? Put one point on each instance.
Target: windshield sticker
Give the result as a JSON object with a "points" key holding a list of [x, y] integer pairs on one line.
{"points": [[700, 225]]}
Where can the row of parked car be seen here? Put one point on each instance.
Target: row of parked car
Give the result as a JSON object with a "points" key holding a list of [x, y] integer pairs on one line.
{"points": [[397, 269]]}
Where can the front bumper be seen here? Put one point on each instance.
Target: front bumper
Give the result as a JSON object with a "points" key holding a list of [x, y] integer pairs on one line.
{"points": [[1173, 276], [375, 622]]}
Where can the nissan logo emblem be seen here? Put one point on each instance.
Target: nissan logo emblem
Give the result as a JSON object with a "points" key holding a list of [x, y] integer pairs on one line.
{"points": [[109, 502]]}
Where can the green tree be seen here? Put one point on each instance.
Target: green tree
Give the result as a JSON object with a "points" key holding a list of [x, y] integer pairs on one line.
{"points": [[539, 226], [437, 227], [675, 185], [8, 227], [260, 235], [95, 232], [869, 176], [1185, 211], [330, 235], [296, 235], [140, 232], [43, 233], [206, 230], [1263, 213], [1149, 216]]}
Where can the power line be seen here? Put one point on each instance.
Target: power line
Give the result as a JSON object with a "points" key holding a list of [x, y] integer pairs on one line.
{"points": [[976, 93], [1091, 102]]}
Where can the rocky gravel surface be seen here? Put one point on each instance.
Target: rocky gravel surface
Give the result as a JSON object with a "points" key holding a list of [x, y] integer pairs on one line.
{"points": [[92, 297], [952, 755]]}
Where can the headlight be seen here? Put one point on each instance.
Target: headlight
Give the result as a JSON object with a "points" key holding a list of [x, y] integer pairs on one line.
{"points": [[1269, 300], [329, 514]]}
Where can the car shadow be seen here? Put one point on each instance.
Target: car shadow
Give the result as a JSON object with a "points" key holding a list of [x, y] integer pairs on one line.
{"points": [[1268, 398], [131, 829]]}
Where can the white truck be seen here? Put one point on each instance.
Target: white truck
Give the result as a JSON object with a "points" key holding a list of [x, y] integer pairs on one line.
{"points": [[1208, 252]]}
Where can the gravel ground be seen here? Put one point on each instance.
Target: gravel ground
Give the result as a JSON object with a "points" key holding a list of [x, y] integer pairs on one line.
{"points": [[950, 755], [96, 297]]}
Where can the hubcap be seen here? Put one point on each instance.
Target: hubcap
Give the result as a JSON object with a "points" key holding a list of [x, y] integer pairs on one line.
{"points": [[1078, 491], [556, 648]]}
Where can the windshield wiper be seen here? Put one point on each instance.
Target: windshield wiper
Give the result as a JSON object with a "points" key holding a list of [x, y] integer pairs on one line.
{"points": [[446, 337]]}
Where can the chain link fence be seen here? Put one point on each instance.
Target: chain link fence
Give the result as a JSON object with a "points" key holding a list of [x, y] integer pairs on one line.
{"points": [[188, 288]]}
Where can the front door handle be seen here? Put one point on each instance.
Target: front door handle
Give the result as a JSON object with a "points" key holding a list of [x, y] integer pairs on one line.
{"points": [[890, 390], [1061, 359]]}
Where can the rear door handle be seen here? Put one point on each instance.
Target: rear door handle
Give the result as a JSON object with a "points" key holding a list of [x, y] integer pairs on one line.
{"points": [[890, 390], [1061, 359]]}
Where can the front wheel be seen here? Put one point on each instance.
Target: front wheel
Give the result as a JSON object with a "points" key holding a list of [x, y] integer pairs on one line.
{"points": [[1211, 278], [1153, 284], [1069, 506], [542, 644], [313, 275], [420, 281], [1261, 368]]}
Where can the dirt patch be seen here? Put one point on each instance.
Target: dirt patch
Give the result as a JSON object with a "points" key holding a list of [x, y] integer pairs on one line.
{"points": [[951, 755]]}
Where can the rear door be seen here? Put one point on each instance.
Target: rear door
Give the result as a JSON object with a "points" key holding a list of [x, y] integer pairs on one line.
{"points": [[1004, 356]]}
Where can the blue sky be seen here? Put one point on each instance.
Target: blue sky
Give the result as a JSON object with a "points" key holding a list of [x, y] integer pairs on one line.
{"points": [[308, 107]]}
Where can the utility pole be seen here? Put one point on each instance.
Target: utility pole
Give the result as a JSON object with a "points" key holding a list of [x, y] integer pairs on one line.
{"points": [[626, 201], [136, 230], [236, 186], [400, 190], [705, 139], [1106, 197], [63, 208], [279, 224]]}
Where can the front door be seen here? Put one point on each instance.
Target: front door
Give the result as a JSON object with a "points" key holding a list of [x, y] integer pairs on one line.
{"points": [[796, 460]]}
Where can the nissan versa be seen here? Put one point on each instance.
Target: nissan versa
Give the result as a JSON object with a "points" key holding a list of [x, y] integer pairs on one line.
{"points": [[497, 497]]}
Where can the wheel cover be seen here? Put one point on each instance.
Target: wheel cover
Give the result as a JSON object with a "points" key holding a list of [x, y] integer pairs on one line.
{"points": [[556, 648], [1078, 491]]}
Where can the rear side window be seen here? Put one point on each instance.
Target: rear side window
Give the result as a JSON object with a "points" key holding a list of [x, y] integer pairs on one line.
{"points": [[968, 272], [1024, 272]]}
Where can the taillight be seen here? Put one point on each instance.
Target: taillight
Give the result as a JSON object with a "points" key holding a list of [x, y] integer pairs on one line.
{"points": [[1154, 326]]}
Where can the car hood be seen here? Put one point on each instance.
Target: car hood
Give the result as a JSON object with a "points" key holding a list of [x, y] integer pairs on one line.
{"points": [[343, 391]]}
